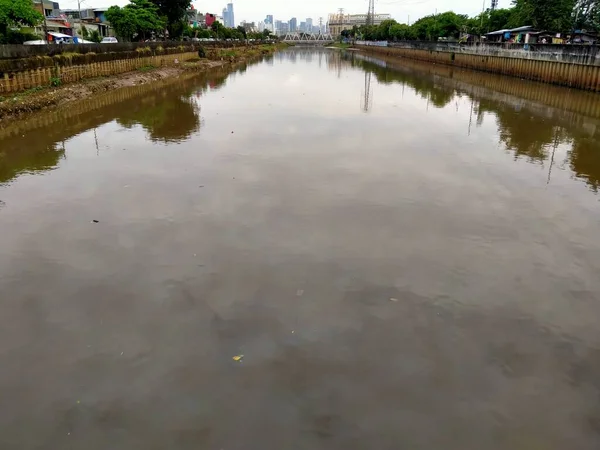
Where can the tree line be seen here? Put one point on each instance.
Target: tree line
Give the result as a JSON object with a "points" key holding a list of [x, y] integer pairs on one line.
{"points": [[559, 16], [144, 19]]}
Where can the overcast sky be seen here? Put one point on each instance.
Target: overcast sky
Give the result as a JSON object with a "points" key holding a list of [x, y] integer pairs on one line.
{"points": [[256, 10]]}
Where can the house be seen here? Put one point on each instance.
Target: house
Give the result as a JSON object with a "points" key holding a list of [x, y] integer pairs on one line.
{"points": [[92, 19], [55, 22], [584, 37], [520, 35]]}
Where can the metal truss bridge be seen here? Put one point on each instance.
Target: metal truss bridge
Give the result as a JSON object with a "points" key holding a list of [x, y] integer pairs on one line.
{"points": [[310, 39]]}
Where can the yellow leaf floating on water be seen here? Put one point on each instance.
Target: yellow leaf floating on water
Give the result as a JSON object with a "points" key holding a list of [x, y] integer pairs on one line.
{"points": [[238, 357]]}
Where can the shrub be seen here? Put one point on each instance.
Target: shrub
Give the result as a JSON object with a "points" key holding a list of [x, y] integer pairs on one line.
{"points": [[18, 37]]}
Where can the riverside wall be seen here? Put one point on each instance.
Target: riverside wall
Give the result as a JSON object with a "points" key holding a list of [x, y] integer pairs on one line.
{"points": [[572, 66], [57, 75], [45, 65]]}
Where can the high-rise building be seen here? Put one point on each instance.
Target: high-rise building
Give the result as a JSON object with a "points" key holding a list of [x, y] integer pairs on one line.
{"points": [[230, 15], [302, 27], [269, 19], [309, 25], [277, 26], [293, 25], [225, 17]]}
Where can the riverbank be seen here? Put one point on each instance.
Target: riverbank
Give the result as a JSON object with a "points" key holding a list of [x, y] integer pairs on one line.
{"points": [[17, 105], [524, 66]]}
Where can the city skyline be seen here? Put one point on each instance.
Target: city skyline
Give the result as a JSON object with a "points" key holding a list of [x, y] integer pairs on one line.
{"points": [[256, 10]]}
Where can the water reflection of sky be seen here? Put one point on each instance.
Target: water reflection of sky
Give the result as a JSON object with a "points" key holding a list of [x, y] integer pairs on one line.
{"points": [[290, 85]]}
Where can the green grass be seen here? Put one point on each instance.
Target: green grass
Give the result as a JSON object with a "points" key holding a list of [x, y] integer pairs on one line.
{"points": [[146, 68], [228, 53], [340, 45]]}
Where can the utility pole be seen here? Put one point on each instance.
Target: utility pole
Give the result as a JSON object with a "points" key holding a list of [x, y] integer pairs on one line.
{"points": [[482, 13], [80, 22], [45, 24]]}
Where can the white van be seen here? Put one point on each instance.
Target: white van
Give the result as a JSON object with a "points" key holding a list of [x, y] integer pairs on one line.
{"points": [[109, 40]]}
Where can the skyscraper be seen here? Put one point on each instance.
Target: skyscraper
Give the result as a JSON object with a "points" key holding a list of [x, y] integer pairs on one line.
{"points": [[225, 17], [230, 15], [293, 25], [269, 19], [309, 25]]}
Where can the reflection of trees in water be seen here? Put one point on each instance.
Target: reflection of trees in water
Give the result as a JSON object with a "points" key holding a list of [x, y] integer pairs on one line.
{"points": [[528, 132], [165, 110], [216, 80], [425, 87], [521, 131], [584, 159], [166, 116], [28, 159], [171, 115]]}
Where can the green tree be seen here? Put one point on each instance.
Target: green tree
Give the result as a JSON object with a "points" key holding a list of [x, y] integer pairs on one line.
{"points": [[242, 30], [17, 13], [95, 36], [548, 15], [137, 20], [383, 30], [587, 15], [489, 20], [173, 12], [401, 32]]}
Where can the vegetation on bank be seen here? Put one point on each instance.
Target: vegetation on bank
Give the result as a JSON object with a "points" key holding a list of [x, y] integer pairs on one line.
{"points": [[17, 14], [342, 45], [142, 19], [560, 16]]}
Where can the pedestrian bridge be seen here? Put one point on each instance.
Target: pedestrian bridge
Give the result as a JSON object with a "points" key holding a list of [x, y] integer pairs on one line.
{"points": [[308, 39]]}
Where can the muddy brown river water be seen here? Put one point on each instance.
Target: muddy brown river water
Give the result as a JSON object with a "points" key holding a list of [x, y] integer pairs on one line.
{"points": [[407, 257]]}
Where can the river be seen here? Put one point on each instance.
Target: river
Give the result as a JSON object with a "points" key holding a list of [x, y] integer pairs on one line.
{"points": [[314, 251]]}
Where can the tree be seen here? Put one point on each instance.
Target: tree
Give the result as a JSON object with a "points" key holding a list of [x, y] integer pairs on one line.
{"points": [[137, 20], [383, 30], [173, 12], [587, 15], [242, 30], [401, 32], [547, 15], [95, 36], [17, 13]]}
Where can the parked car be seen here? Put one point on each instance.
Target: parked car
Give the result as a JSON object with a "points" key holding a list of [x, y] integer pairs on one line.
{"points": [[109, 40]]}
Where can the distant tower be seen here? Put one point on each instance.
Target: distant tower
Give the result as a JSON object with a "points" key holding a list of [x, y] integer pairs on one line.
{"points": [[494, 5], [371, 13], [320, 25]]}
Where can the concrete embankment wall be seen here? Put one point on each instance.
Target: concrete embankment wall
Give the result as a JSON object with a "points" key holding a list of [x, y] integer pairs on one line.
{"points": [[43, 65], [580, 76], [57, 74]]}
